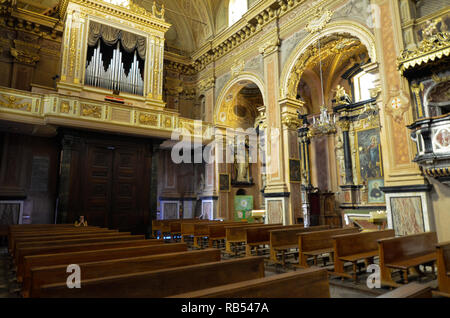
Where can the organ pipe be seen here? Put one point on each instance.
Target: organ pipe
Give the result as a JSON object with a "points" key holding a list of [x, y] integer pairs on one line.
{"points": [[115, 77]]}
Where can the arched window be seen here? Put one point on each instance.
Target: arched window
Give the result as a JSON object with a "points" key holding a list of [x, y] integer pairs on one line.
{"points": [[236, 8], [363, 83]]}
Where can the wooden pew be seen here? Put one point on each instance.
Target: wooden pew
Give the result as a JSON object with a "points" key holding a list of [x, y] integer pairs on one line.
{"points": [[67, 231], [355, 247], [443, 267], [282, 240], [405, 252], [89, 256], [202, 230], [307, 283], [98, 269], [412, 290], [237, 234], [62, 237], [75, 248], [217, 232], [319, 242], [185, 229], [258, 236], [162, 283], [42, 244]]}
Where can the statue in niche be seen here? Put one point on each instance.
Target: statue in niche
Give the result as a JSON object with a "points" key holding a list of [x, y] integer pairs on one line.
{"points": [[340, 158], [241, 164], [341, 96]]}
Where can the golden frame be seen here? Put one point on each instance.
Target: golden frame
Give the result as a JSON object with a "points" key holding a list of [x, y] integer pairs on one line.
{"points": [[356, 145], [291, 179]]}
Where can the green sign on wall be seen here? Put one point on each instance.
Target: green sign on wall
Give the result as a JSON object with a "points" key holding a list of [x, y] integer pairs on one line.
{"points": [[243, 206]]}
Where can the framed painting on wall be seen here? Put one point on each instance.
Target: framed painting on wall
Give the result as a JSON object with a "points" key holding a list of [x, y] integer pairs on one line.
{"points": [[374, 193], [294, 171], [368, 162], [224, 182]]}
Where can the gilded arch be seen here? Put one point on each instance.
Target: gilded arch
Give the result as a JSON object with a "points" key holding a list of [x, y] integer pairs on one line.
{"points": [[294, 67], [241, 79]]}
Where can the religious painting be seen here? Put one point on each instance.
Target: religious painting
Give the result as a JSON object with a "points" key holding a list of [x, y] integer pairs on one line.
{"points": [[407, 215], [369, 165], [294, 171], [375, 195], [243, 206], [224, 182]]}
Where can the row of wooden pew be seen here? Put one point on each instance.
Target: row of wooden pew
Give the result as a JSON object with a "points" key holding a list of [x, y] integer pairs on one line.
{"points": [[344, 246], [115, 264], [130, 266]]}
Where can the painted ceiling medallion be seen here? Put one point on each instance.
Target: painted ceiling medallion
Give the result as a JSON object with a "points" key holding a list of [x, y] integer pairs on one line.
{"points": [[319, 21]]}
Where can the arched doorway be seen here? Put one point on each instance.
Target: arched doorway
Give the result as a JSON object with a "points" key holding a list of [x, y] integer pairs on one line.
{"points": [[335, 77], [241, 168]]}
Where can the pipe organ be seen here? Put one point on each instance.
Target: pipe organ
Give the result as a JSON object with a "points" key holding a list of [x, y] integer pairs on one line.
{"points": [[115, 77], [113, 47]]}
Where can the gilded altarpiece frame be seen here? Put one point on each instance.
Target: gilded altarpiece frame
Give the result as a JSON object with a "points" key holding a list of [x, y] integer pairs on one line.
{"points": [[367, 159]]}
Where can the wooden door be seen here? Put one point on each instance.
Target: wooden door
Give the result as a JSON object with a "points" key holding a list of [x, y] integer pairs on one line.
{"points": [[98, 185], [125, 212]]}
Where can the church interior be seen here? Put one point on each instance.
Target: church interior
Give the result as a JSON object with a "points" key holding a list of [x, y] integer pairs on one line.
{"points": [[301, 148]]}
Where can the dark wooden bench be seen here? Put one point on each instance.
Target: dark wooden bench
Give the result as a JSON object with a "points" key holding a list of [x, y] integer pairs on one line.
{"points": [[42, 244], [355, 247], [282, 240], [187, 229], [21, 253], [82, 230], [162, 283], [217, 232], [256, 237], [45, 260], [406, 252], [238, 234], [314, 244], [202, 230], [443, 267], [307, 283], [47, 238], [98, 269], [412, 290]]}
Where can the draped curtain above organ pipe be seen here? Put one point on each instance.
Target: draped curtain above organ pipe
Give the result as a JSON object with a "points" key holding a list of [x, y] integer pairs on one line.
{"points": [[115, 59], [111, 36]]}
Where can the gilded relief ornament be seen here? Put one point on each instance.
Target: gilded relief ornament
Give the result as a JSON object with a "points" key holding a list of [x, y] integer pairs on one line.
{"points": [[148, 119], [91, 111], [237, 68], [430, 49], [318, 22], [25, 57], [270, 46], [14, 102]]}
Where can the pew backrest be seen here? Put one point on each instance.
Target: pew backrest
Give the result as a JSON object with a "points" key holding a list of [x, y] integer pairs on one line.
{"points": [[288, 236], [350, 244], [404, 247], [163, 283], [105, 268], [317, 240], [308, 283]]}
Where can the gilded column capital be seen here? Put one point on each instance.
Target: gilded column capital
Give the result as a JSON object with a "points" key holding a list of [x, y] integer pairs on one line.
{"points": [[344, 125], [270, 46]]}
